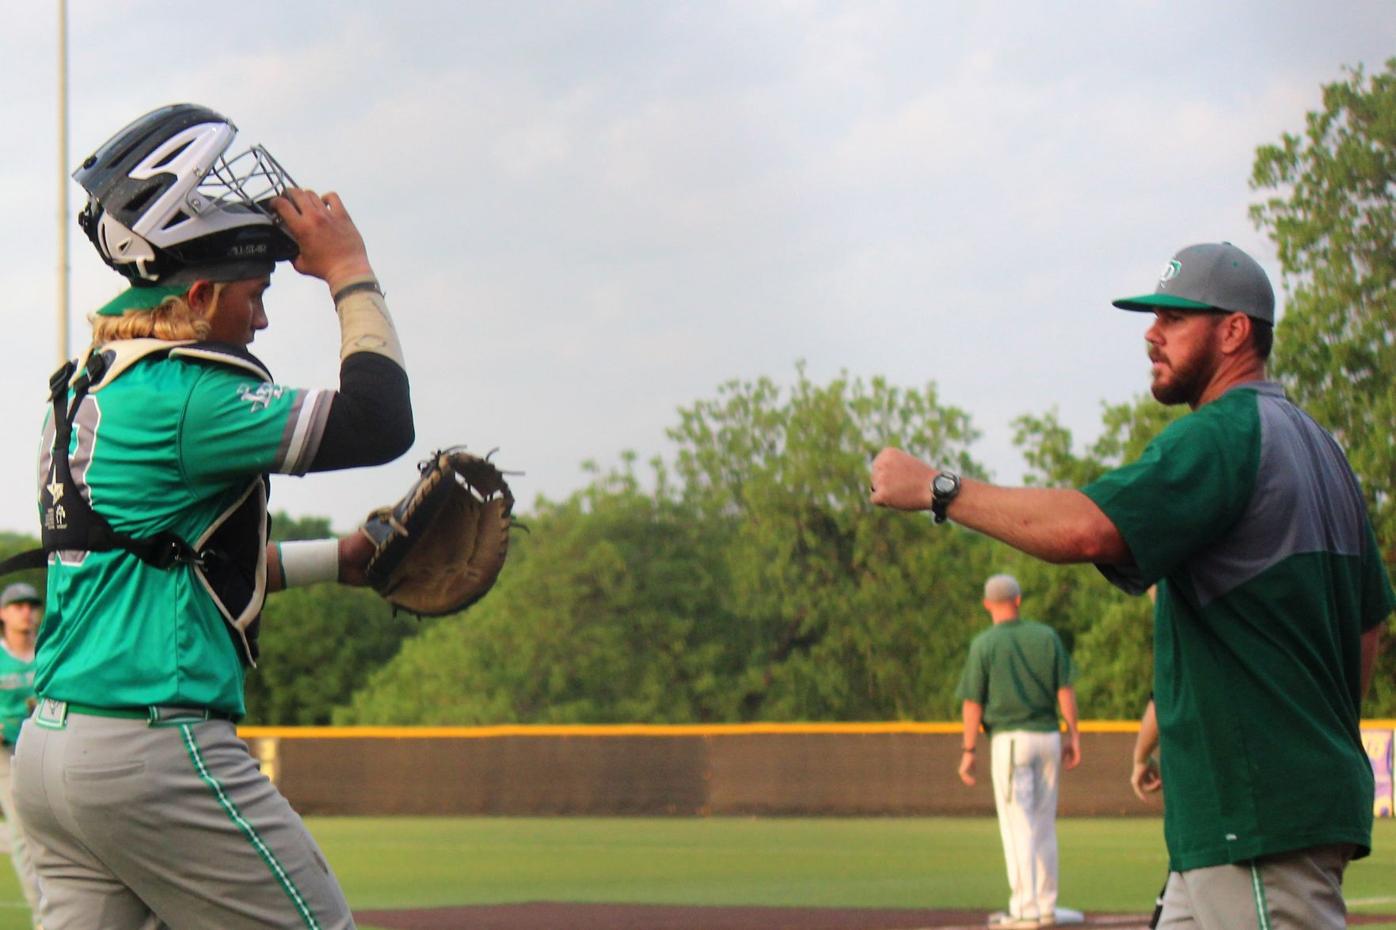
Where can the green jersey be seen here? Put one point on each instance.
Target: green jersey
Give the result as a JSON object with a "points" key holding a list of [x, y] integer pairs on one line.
{"points": [[16, 692], [1014, 671], [163, 444], [1248, 516]]}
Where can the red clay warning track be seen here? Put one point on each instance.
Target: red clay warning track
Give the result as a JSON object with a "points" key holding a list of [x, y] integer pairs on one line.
{"points": [[545, 915]]}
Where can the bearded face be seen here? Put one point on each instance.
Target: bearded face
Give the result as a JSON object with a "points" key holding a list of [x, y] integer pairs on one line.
{"points": [[1183, 350]]}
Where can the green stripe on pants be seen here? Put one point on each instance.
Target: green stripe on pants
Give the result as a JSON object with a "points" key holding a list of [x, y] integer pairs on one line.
{"points": [[229, 808], [1262, 910]]}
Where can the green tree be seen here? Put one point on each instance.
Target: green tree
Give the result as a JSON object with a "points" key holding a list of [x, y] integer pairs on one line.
{"points": [[319, 645], [1331, 212], [1114, 656], [848, 611], [1126, 429], [12, 544], [286, 527]]}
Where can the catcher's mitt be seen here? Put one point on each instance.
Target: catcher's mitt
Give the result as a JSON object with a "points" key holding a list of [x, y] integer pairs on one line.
{"points": [[440, 548]]}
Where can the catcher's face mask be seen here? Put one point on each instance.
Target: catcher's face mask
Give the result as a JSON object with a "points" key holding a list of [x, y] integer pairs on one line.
{"points": [[163, 196]]}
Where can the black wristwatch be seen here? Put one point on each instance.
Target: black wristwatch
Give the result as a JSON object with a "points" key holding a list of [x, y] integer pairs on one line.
{"points": [[944, 488]]}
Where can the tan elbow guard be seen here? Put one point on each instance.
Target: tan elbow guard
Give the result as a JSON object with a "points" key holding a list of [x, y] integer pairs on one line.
{"points": [[364, 323]]}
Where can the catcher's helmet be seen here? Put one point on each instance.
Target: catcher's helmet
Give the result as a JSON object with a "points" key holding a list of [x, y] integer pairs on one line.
{"points": [[165, 207]]}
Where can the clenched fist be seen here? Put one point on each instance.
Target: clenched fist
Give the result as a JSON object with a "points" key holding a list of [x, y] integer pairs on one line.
{"points": [[901, 481]]}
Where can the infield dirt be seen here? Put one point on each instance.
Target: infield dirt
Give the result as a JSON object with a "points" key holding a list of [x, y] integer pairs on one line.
{"points": [[556, 916]]}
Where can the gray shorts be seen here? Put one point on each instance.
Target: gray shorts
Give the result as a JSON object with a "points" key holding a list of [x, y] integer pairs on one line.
{"points": [[1300, 890], [137, 826]]}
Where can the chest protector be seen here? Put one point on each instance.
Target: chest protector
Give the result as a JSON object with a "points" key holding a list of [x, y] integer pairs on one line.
{"points": [[228, 559]]}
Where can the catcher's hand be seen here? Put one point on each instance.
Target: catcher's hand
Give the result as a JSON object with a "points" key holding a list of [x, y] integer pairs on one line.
{"points": [[440, 548]]}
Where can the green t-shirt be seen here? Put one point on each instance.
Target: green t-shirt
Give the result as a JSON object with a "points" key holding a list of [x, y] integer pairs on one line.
{"points": [[167, 444], [1248, 516], [16, 693], [1014, 671]]}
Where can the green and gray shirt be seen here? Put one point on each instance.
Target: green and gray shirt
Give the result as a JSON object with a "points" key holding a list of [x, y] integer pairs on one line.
{"points": [[1014, 671], [167, 444], [16, 693], [1248, 516]]}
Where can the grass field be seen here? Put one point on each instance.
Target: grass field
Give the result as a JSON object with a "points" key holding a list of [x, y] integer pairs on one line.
{"points": [[1107, 864]]}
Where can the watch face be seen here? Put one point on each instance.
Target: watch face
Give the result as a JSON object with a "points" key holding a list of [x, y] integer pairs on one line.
{"points": [[943, 484]]}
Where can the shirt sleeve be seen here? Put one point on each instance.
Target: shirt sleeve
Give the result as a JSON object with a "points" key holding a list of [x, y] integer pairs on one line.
{"points": [[974, 683], [235, 425], [1190, 485], [1066, 670]]}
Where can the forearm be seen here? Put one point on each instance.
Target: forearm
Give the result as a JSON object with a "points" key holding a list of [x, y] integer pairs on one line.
{"points": [[972, 714], [1147, 740], [276, 578], [364, 322], [297, 563], [1371, 647], [1054, 524], [1066, 699], [370, 418]]}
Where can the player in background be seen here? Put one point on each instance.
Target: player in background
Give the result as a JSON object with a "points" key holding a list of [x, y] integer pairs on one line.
{"points": [[21, 610], [143, 807], [1271, 598], [1016, 675]]}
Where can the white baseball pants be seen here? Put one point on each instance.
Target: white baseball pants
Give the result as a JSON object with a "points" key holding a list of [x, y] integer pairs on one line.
{"points": [[1026, 766]]}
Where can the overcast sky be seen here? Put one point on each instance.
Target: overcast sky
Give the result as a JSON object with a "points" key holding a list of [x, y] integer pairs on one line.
{"points": [[587, 215]]}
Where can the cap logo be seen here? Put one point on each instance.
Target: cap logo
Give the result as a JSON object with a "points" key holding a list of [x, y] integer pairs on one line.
{"points": [[1170, 271]]}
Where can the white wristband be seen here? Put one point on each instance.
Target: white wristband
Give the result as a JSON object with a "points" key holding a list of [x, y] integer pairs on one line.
{"points": [[308, 561]]}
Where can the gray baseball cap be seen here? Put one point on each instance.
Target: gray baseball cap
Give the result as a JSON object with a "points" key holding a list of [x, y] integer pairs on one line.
{"points": [[20, 593], [1210, 276]]}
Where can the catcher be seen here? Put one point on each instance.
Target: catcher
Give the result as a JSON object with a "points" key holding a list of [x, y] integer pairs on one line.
{"points": [[144, 808]]}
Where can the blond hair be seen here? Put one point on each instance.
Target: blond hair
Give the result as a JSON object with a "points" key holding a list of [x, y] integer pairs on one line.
{"points": [[172, 320]]}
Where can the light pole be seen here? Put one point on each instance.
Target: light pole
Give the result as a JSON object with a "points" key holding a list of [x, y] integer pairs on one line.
{"points": [[62, 181]]}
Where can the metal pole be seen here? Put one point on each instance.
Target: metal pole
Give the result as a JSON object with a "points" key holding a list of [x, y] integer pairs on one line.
{"points": [[62, 181]]}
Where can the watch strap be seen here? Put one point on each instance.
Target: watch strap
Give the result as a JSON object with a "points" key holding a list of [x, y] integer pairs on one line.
{"points": [[940, 500]]}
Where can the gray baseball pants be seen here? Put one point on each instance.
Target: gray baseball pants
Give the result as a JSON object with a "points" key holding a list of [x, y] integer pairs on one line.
{"points": [[1301, 890], [139, 826]]}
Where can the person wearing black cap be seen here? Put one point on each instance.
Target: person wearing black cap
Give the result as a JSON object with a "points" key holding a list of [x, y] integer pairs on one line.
{"points": [[142, 806], [1271, 599], [21, 609]]}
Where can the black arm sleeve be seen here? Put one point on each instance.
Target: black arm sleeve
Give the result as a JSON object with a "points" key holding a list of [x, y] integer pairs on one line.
{"points": [[370, 418]]}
